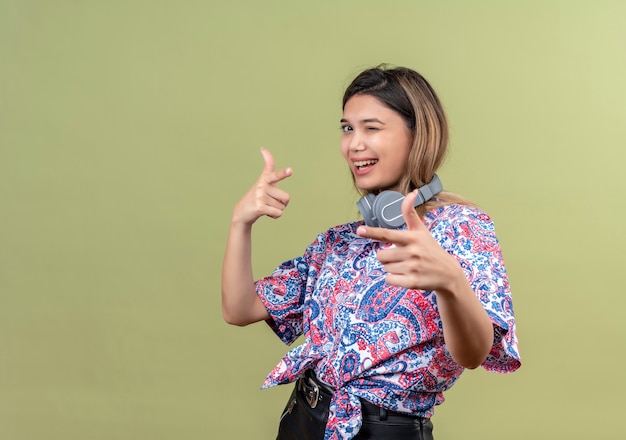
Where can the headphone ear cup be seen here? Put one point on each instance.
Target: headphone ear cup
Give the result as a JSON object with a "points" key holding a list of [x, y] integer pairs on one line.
{"points": [[365, 207], [387, 208]]}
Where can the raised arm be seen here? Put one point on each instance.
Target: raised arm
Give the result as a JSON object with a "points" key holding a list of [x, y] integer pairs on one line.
{"points": [[240, 303], [417, 261]]}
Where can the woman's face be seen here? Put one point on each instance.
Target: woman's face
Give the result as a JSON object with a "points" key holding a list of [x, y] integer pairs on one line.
{"points": [[375, 143]]}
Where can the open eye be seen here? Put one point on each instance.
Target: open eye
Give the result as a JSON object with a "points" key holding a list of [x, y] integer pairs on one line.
{"points": [[346, 128]]}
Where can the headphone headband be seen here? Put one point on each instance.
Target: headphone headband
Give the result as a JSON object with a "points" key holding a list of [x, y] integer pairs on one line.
{"points": [[428, 191]]}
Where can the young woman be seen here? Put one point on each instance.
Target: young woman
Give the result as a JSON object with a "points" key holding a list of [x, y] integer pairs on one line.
{"points": [[393, 308]]}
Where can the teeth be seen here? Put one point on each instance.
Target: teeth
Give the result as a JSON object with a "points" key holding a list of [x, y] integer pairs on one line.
{"points": [[364, 163]]}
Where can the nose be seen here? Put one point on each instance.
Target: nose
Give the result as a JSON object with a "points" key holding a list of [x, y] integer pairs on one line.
{"points": [[356, 142]]}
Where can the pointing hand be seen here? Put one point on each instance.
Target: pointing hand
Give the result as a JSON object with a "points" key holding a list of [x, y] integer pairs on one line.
{"points": [[264, 198], [416, 261]]}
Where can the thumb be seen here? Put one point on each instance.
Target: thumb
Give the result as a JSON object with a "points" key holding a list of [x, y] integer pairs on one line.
{"points": [[413, 221], [268, 161]]}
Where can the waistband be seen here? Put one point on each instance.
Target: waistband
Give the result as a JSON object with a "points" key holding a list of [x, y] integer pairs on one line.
{"points": [[318, 392]]}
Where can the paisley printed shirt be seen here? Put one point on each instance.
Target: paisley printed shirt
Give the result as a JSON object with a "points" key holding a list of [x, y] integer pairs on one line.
{"points": [[370, 340]]}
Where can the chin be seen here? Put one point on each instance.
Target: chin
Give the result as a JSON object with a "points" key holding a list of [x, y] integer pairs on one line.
{"points": [[368, 188]]}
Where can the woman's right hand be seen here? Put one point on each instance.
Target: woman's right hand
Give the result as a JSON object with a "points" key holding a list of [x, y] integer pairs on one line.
{"points": [[264, 198]]}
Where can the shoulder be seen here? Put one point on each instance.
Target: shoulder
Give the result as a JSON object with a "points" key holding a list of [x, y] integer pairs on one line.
{"points": [[344, 233], [456, 214], [452, 223], [344, 230]]}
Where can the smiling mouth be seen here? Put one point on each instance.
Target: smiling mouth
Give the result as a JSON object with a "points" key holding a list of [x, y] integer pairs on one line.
{"points": [[361, 164]]}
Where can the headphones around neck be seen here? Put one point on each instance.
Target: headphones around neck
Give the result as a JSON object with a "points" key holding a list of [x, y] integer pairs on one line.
{"points": [[385, 209]]}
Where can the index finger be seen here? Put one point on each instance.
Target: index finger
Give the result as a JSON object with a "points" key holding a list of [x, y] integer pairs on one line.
{"points": [[383, 234]]}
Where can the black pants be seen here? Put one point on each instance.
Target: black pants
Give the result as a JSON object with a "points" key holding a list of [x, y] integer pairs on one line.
{"points": [[306, 413]]}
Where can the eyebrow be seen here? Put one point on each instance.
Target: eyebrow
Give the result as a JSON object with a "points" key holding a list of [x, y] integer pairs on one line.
{"points": [[365, 121]]}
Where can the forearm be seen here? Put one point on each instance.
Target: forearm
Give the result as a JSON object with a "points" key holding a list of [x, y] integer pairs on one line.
{"points": [[467, 329], [240, 303]]}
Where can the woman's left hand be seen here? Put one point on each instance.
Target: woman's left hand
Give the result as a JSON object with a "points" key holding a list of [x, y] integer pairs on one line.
{"points": [[416, 260]]}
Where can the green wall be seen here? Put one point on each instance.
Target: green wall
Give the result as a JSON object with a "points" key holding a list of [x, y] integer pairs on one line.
{"points": [[128, 130]]}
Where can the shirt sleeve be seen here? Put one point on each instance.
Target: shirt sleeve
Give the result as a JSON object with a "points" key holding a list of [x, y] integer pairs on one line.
{"points": [[284, 292], [473, 241]]}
